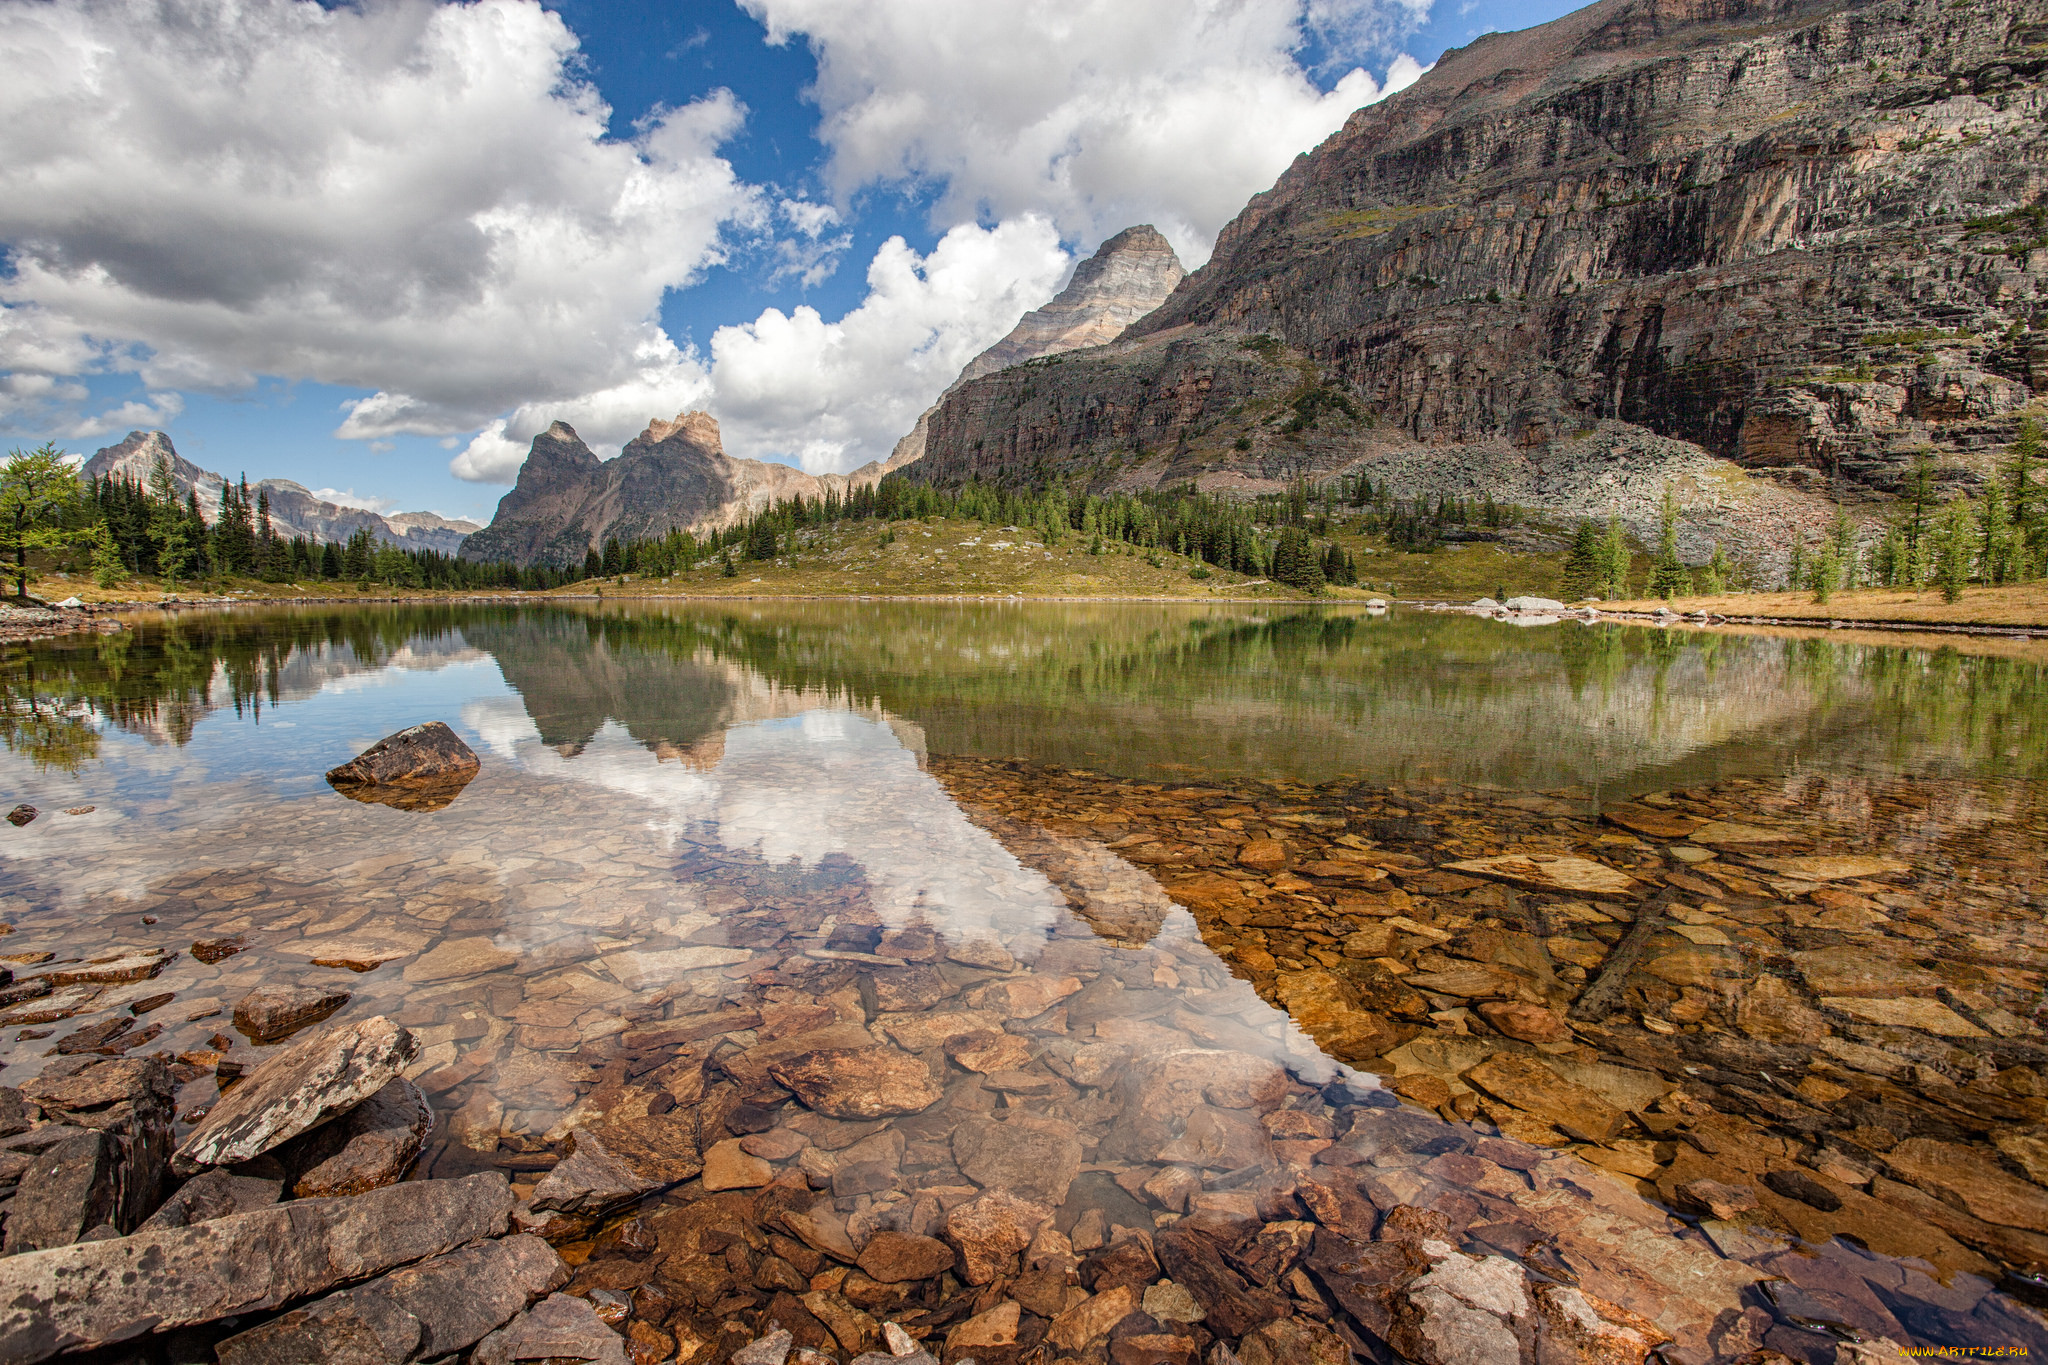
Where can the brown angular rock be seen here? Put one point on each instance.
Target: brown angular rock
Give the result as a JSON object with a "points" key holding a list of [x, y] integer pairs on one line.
{"points": [[863, 1083], [1963, 1178], [213, 1194], [128, 1100], [67, 1191], [211, 950], [269, 1013], [558, 1328], [1034, 1158], [1524, 1022], [1553, 872], [1536, 1089], [589, 1180], [98, 1293], [1091, 1319], [1295, 1341], [1577, 1329], [894, 1257], [988, 1231], [301, 1087], [369, 1146], [423, 1312]]}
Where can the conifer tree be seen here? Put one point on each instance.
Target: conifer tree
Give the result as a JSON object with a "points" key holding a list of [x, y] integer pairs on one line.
{"points": [[2029, 509], [1582, 564], [1614, 562], [1952, 550], [1668, 578], [39, 495], [107, 568], [1994, 535]]}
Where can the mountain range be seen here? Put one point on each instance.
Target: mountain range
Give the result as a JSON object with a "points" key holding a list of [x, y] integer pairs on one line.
{"points": [[675, 475], [294, 510]]}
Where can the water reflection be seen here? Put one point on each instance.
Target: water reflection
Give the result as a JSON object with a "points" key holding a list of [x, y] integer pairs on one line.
{"points": [[709, 847]]}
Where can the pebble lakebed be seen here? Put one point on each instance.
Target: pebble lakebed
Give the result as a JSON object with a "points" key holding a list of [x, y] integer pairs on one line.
{"points": [[1142, 1121]]}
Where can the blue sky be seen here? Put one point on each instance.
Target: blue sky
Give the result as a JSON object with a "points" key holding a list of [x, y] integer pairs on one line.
{"points": [[374, 248]]}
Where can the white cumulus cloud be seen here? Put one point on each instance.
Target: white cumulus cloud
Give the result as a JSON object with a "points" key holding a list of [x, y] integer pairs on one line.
{"points": [[421, 200], [833, 395], [1099, 113]]}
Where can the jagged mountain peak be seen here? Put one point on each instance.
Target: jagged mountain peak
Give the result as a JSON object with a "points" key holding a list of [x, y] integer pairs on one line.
{"points": [[696, 426]]}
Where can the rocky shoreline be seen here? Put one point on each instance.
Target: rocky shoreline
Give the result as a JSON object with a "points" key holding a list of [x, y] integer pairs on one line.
{"points": [[1437, 1074]]}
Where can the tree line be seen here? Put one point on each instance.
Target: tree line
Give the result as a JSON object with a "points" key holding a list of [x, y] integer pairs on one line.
{"points": [[1266, 538], [114, 528]]}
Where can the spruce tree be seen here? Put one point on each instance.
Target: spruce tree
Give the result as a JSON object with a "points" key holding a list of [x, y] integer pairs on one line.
{"points": [[1668, 578], [1614, 562], [1582, 564], [2029, 515], [1952, 550], [107, 568], [1994, 535]]}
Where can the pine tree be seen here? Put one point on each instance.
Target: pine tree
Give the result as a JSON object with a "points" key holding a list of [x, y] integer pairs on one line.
{"points": [[168, 528], [39, 492], [1795, 565], [1668, 578], [1919, 500], [1714, 577], [2029, 515], [1952, 550], [1582, 564], [107, 568], [1614, 562], [1843, 550], [1994, 536]]}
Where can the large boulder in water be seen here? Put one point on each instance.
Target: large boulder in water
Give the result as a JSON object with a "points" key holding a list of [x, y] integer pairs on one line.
{"points": [[422, 768]]}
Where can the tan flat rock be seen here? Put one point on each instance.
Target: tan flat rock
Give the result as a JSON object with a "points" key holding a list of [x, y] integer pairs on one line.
{"points": [[1834, 867], [1928, 1015], [1727, 834], [1551, 872], [459, 957], [1650, 823], [1862, 971]]}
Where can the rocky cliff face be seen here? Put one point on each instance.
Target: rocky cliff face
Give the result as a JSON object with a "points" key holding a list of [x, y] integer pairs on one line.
{"points": [[1128, 276], [1792, 239], [294, 511], [674, 476]]}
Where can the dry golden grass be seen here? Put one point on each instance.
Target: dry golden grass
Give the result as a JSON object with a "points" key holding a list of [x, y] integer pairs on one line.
{"points": [[2014, 604]]}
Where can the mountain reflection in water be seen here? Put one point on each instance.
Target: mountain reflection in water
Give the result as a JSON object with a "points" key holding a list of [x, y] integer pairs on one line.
{"points": [[708, 843]]}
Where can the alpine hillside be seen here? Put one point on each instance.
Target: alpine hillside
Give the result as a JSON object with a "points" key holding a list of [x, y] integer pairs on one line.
{"points": [[1767, 252]]}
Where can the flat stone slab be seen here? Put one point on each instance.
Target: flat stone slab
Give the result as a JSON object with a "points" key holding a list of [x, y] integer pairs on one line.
{"points": [[1910, 1012], [1650, 822], [419, 1313], [1551, 872], [1728, 834], [1824, 867], [559, 1327], [97, 1293], [269, 1013], [458, 957], [302, 1087]]}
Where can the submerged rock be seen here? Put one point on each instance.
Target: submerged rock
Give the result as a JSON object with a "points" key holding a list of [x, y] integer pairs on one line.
{"points": [[309, 1083]]}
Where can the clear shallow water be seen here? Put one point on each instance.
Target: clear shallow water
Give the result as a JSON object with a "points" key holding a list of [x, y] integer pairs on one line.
{"points": [[689, 810]]}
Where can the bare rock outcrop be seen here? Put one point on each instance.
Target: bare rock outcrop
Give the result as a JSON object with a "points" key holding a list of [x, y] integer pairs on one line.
{"points": [[1789, 238]]}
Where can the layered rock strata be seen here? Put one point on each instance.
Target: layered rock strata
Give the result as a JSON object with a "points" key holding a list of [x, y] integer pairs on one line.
{"points": [[1795, 237]]}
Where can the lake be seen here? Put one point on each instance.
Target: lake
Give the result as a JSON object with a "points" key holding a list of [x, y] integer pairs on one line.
{"points": [[1238, 947]]}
